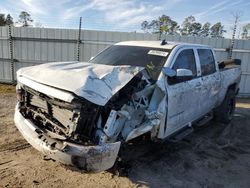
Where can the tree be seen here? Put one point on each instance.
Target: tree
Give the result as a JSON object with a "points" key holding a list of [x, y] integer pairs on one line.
{"points": [[164, 22], [205, 30], [167, 25], [2, 20], [174, 28], [9, 20], [217, 30], [195, 29], [163, 25], [25, 19], [145, 26], [187, 25], [246, 34], [5, 21], [154, 26], [190, 27]]}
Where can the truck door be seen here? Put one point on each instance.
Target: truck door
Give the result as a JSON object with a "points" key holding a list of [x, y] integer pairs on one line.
{"points": [[210, 79], [183, 97]]}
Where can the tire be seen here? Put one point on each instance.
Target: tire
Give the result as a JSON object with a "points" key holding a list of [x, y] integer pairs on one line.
{"points": [[224, 113]]}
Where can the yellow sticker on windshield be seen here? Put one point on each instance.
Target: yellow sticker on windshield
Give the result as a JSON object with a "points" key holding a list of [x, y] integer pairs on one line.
{"points": [[158, 53]]}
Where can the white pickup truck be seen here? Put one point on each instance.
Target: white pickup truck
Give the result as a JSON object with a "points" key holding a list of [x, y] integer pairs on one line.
{"points": [[80, 113]]}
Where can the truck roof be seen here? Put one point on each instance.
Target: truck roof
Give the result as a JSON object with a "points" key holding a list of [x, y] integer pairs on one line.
{"points": [[157, 44]]}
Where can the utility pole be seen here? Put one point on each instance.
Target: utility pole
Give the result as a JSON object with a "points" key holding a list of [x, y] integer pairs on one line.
{"points": [[237, 17], [79, 39]]}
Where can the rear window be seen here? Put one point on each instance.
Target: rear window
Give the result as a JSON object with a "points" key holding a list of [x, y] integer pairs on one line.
{"points": [[207, 61]]}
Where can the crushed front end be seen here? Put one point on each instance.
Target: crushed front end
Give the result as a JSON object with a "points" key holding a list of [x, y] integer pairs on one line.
{"points": [[84, 134], [62, 130]]}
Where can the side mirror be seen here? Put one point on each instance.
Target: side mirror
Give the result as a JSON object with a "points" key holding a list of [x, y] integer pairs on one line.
{"points": [[91, 58], [183, 75], [180, 75], [168, 72]]}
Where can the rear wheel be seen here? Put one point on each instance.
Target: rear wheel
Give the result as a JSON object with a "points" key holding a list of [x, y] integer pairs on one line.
{"points": [[224, 113]]}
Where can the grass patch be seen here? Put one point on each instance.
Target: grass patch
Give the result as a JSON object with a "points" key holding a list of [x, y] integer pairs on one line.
{"points": [[6, 88]]}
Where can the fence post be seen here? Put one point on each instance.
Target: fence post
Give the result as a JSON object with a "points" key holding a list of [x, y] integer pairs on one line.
{"points": [[11, 55], [79, 40], [230, 52]]}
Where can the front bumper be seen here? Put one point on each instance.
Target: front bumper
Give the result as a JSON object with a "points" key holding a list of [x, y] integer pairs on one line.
{"points": [[90, 158]]}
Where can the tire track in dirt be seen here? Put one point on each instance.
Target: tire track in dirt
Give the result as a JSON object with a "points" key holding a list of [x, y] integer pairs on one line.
{"points": [[14, 146], [7, 164]]}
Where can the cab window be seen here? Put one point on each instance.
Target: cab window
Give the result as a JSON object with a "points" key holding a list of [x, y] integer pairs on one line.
{"points": [[186, 60], [207, 61]]}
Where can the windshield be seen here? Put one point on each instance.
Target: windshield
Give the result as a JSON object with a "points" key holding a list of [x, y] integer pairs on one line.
{"points": [[152, 59]]}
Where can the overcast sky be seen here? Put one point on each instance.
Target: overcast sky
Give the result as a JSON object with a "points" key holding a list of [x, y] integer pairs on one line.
{"points": [[126, 14]]}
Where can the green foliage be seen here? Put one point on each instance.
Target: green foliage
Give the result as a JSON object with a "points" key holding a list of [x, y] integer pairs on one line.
{"points": [[187, 25], [163, 25], [217, 30], [8, 20], [145, 26], [167, 25], [196, 29], [25, 19], [190, 27], [2, 20], [154, 26], [205, 30]]}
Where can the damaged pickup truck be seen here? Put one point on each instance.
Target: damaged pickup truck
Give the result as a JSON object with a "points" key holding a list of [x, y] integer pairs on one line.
{"points": [[80, 113]]}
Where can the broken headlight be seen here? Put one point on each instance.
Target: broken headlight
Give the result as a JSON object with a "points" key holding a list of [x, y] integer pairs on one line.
{"points": [[19, 93]]}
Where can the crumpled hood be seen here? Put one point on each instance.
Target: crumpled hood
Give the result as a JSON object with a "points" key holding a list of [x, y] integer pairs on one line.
{"points": [[95, 82]]}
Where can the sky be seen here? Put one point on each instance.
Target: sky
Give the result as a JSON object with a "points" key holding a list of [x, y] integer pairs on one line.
{"points": [[126, 15]]}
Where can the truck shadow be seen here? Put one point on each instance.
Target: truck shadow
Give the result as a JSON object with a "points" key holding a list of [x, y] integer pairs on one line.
{"points": [[196, 160], [214, 155]]}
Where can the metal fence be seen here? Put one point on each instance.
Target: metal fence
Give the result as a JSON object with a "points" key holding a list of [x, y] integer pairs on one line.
{"points": [[20, 47]]}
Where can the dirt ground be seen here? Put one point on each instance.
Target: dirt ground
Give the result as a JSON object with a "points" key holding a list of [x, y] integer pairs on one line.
{"points": [[216, 155]]}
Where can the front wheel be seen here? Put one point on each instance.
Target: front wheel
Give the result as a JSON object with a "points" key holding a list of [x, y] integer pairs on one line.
{"points": [[224, 113]]}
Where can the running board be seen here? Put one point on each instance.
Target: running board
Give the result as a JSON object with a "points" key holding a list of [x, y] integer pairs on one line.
{"points": [[181, 134], [205, 119]]}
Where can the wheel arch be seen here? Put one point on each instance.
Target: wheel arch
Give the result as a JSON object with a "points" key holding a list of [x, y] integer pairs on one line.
{"points": [[233, 87]]}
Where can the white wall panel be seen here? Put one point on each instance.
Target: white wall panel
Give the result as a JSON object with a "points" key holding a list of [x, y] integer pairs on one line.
{"points": [[40, 45]]}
